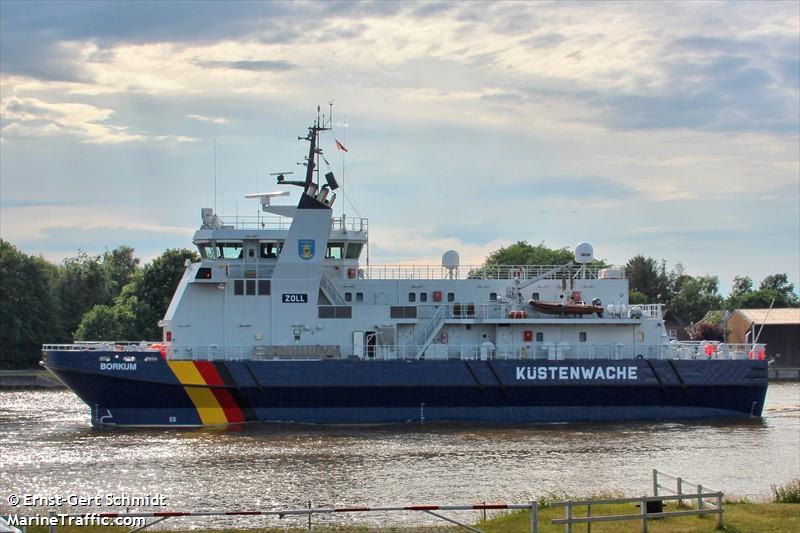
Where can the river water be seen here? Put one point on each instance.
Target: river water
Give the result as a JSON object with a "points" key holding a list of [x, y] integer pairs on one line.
{"points": [[48, 449]]}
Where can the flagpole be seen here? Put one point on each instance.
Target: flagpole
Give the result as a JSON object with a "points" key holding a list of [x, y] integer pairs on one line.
{"points": [[344, 155]]}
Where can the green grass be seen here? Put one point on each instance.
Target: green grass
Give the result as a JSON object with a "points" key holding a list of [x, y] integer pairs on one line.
{"points": [[738, 518]]}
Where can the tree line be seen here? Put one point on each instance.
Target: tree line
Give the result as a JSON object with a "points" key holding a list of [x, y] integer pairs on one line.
{"points": [[113, 296], [86, 297]]}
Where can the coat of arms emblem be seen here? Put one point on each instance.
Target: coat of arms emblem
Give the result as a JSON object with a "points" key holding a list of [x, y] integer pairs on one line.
{"points": [[305, 248]]}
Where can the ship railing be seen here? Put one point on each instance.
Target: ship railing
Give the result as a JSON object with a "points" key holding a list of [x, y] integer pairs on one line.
{"points": [[104, 346], [355, 224], [504, 272], [437, 349], [551, 351], [494, 310], [718, 350]]}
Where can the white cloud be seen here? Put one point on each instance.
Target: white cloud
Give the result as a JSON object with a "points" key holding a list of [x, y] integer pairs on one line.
{"points": [[213, 120]]}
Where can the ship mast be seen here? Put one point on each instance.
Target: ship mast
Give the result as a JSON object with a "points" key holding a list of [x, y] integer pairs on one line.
{"points": [[314, 152]]}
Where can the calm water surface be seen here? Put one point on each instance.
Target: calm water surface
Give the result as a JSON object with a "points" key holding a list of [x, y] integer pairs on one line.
{"points": [[48, 448]]}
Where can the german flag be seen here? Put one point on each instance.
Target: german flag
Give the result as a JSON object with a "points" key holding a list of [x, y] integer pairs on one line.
{"points": [[213, 392]]}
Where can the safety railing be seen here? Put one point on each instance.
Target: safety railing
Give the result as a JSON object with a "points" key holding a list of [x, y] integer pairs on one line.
{"points": [[506, 272], [105, 346], [435, 349], [110, 518], [578, 511], [356, 224], [644, 514]]}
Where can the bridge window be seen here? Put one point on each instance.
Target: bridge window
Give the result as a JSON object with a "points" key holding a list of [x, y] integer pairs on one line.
{"points": [[423, 297], [207, 250], [250, 285], [354, 250], [229, 250], [582, 336], [539, 336], [492, 296], [412, 296], [451, 297], [359, 297], [335, 250], [270, 250], [348, 297], [238, 287]]}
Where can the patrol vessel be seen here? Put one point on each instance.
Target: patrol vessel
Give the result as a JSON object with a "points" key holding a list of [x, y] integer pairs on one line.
{"points": [[282, 320]]}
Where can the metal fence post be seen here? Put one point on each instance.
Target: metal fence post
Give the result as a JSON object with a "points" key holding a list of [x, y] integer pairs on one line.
{"points": [[700, 502], [568, 510], [680, 491], [719, 510], [589, 515], [643, 510], [655, 482], [534, 517]]}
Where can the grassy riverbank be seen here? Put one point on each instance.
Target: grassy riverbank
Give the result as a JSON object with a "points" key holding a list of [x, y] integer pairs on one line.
{"points": [[738, 518]]}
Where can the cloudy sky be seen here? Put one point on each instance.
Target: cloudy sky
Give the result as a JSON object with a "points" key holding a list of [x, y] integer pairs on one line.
{"points": [[667, 129]]}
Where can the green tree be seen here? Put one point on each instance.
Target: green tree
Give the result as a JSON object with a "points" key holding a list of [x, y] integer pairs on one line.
{"points": [[120, 265], [775, 287], [741, 285], [636, 297], [696, 296], [29, 314], [647, 277], [82, 284], [142, 302], [108, 323], [522, 253]]}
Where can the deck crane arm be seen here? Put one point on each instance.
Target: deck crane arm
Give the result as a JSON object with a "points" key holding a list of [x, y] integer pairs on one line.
{"points": [[519, 284]]}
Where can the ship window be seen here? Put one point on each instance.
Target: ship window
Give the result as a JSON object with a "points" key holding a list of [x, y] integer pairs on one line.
{"points": [[270, 250], [640, 336], [535, 296], [251, 287], [423, 297], [348, 297], [230, 250], [403, 311], [208, 251], [335, 311], [582, 336], [203, 273], [354, 250], [451, 297], [263, 287], [238, 287], [492, 296], [412, 296], [359, 297], [334, 250], [539, 336]]}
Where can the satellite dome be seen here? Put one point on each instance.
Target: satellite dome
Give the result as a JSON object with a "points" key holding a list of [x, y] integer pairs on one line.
{"points": [[450, 259], [584, 253]]}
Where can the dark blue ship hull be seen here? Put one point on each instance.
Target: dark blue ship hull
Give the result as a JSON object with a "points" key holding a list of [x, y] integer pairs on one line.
{"points": [[142, 389]]}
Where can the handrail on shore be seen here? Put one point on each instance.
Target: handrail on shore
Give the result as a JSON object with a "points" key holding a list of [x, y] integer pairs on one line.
{"points": [[646, 510]]}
